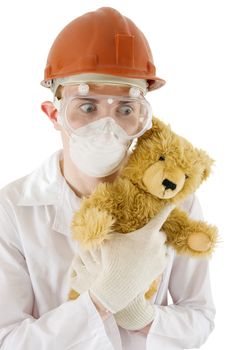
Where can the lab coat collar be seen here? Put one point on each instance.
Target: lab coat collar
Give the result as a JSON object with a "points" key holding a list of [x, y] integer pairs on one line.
{"points": [[47, 186], [43, 186]]}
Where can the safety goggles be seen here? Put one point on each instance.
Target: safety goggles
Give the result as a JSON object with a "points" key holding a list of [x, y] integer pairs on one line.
{"points": [[85, 106]]}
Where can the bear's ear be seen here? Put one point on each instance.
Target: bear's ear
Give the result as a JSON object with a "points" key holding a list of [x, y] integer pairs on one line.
{"points": [[158, 125], [206, 164], [158, 129]]}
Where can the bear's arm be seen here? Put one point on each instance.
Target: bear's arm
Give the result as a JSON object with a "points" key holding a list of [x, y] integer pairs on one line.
{"points": [[130, 207]]}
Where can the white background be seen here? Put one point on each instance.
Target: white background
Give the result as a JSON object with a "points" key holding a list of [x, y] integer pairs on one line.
{"points": [[190, 44]]}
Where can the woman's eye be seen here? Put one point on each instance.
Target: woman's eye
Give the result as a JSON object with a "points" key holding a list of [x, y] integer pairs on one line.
{"points": [[162, 158], [186, 176], [125, 110], [88, 107]]}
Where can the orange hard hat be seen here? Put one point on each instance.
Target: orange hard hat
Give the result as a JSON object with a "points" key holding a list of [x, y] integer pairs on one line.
{"points": [[103, 42]]}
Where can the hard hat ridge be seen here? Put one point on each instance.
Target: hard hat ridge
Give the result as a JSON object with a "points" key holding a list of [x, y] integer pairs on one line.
{"points": [[102, 42]]}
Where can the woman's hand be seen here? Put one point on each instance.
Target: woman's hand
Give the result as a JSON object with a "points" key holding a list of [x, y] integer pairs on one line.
{"points": [[123, 266]]}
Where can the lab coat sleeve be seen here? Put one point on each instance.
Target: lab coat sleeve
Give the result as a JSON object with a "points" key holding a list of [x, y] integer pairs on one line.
{"points": [[187, 323], [73, 325]]}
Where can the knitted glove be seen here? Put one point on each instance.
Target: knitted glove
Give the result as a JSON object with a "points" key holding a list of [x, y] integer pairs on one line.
{"points": [[137, 314], [84, 269], [129, 263]]}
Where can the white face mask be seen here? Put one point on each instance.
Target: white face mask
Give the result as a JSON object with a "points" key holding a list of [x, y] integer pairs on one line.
{"points": [[98, 148]]}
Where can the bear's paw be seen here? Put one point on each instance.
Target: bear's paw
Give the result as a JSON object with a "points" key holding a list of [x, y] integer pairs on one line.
{"points": [[199, 242], [92, 227]]}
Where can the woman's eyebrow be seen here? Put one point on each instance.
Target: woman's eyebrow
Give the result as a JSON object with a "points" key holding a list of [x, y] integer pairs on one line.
{"points": [[87, 99], [94, 100]]}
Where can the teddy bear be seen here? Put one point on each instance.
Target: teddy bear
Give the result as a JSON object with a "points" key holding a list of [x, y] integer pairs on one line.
{"points": [[163, 169]]}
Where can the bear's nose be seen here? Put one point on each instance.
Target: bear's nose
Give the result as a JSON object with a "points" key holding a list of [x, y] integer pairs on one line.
{"points": [[169, 184]]}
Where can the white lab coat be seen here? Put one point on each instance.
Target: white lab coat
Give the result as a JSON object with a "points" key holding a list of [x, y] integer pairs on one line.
{"points": [[35, 252]]}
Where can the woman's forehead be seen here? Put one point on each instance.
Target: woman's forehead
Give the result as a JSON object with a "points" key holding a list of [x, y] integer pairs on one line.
{"points": [[102, 89]]}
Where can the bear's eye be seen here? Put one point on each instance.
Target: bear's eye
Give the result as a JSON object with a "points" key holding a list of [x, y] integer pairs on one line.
{"points": [[162, 158], [186, 176]]}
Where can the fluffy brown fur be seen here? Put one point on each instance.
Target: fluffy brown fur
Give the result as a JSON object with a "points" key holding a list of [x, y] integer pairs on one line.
{"points": [[164, 168]]}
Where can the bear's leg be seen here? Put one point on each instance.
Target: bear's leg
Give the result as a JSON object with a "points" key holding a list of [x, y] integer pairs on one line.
{"points": [[187, 236], [203, 238], [153, 288], [199, 242], [73, 295]]}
